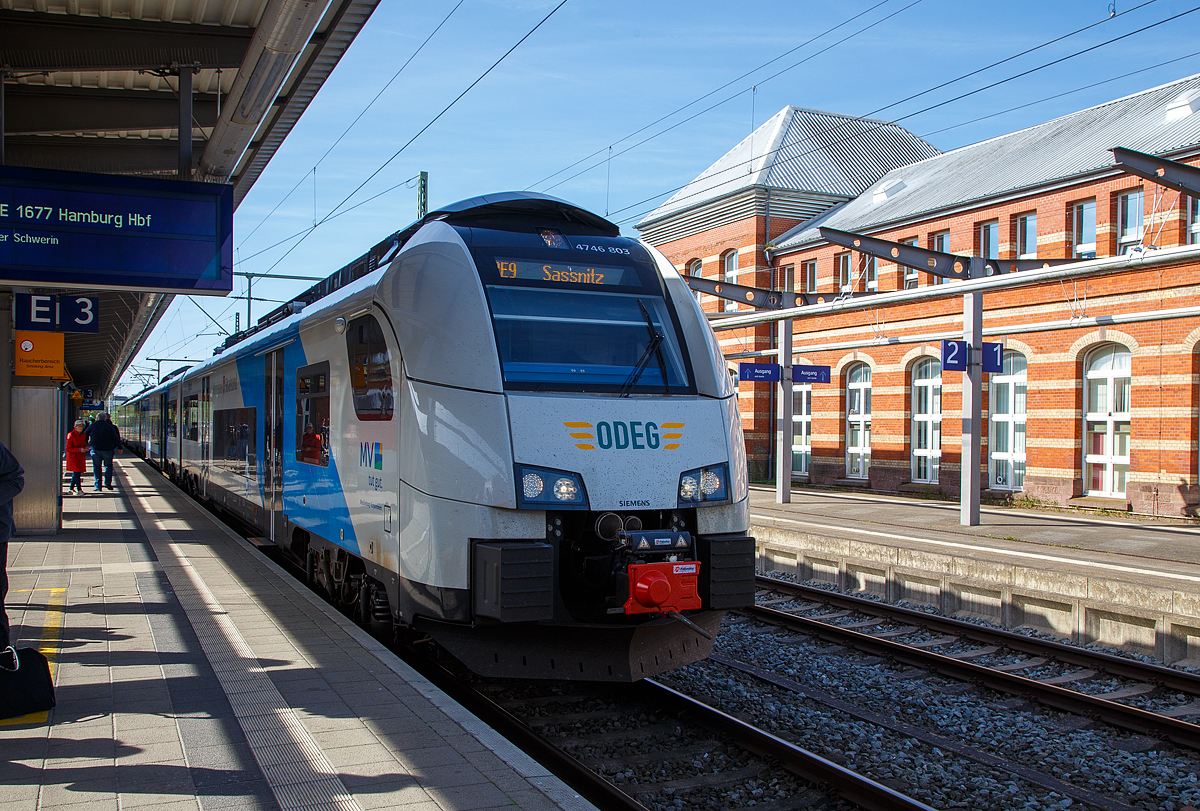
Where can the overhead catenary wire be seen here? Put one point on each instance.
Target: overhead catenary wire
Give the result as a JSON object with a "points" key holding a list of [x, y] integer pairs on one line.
{"points": [[728, 99], [337, 213], [929, 108], [357, 118], [333, 212], [806, 59], [710, 93]]}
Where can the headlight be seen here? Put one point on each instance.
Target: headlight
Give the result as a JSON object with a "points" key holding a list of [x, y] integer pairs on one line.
{"points": [[705, 485], [540, 488]]}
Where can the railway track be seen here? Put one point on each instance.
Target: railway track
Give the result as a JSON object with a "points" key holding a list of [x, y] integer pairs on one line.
{"points": [[648, 746], [673, 745], [1056, 675]]}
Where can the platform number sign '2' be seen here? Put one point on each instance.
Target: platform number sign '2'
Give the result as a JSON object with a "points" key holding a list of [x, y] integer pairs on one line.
{"points": [[956, 355]]}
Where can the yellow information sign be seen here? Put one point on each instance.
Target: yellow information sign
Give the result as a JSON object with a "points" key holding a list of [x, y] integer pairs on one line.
{"points": [[40, 354]]}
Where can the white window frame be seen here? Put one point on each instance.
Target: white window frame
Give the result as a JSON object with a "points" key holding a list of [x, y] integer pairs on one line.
{"points": [[696, 268], [841, 267], [871, 272], [925, 432], [809, 271], [858, 421], [1025, 224], [1193, 221], [940, 242], [1006, 434], [1107, 434], [729, 264], [989, 239], [1130, 220], [911, 280], [801, 428], [1081, 213]]}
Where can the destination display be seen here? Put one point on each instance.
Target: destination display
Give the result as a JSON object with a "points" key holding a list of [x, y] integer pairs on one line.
{"points": [[110, 232], [565, 273]]}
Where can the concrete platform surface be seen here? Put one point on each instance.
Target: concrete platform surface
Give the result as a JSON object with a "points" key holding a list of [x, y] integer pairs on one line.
{"points": [[192, 673], [1132, 547]]}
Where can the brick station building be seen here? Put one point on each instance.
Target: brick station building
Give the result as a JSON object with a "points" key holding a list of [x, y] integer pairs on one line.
{"points": [[1098, 400]]}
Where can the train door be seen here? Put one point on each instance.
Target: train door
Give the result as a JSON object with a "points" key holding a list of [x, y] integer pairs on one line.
{"points": [[205, 436], [273, 433]]}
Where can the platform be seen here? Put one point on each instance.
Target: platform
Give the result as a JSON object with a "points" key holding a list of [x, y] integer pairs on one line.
{"points": [[1122, 581], [193, 673]]}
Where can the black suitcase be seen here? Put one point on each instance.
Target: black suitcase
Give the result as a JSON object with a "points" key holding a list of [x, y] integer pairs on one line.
{"points": [[27, 689]]}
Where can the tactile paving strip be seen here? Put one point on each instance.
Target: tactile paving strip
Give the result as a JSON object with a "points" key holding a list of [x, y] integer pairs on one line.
{"points": [[299, 774]]}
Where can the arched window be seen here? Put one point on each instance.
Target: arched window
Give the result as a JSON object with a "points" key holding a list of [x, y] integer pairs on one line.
{"points": [[801, 427], [858, 421], [926, 420], [1006, 439], [1107, 380], [731, 277]]}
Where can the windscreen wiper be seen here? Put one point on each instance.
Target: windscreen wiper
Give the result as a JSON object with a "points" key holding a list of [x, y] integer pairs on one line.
{"points": [[653, 347]]}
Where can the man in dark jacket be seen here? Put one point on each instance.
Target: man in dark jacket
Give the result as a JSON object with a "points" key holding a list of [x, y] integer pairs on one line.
{"points": [[105, 440], [12, 481]]}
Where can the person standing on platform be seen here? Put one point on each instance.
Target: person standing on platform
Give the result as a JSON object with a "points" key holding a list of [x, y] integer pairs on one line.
{"points": [[77, 449], [12, 481], [105, 440]]}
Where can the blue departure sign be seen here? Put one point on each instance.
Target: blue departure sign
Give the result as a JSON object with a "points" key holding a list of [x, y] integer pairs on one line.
{"points": [[810, 374], [955, 356], [759, 372], [115, 233]]}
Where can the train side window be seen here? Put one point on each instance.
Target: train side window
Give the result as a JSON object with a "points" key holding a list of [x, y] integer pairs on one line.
{"points": [[370, 369], [235, 437], [191, 417], [312, 414]]}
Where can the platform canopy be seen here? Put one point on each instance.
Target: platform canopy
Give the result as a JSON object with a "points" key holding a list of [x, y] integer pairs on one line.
{"points": [[94, 86]]}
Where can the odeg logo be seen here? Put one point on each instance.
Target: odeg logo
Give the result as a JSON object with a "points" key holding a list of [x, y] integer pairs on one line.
{"points": [[620, 435]]}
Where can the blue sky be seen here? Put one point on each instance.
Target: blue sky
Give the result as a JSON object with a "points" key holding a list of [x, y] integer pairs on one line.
{"points": [[598, 71]]}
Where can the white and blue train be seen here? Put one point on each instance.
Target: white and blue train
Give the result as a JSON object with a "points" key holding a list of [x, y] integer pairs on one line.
{"points": [[506, 427]]}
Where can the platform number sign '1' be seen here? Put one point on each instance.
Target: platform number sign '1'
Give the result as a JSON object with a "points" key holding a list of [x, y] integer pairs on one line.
{"points": [[993, 357]]}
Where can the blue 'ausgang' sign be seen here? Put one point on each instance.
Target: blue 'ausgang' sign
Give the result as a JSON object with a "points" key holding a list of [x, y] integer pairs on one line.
{"points": [[759, 372], [810, 374]]}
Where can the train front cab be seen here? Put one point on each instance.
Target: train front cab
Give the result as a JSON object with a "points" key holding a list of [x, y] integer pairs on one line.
{"points": [[548, 589]]}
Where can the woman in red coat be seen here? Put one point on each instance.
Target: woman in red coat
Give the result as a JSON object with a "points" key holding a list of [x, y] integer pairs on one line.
{"points": [[77, 450]]}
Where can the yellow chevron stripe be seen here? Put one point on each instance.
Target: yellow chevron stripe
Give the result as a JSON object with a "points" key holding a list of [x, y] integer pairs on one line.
{"points": [[583, 436], [670, 447], [672, 436], [578, 424], [586, 447], [668, 425]]}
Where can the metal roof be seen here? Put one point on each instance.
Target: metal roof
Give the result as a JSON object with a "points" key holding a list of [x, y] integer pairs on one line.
{"points": [[93, 86], [1160, 121], [803, 150]]}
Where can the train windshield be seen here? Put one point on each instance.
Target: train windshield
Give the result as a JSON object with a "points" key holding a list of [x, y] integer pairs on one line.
{"points": [[572, 339]]}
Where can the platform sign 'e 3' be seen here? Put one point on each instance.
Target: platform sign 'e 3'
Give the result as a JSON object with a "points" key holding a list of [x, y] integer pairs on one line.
{"points": [[56, 313]]}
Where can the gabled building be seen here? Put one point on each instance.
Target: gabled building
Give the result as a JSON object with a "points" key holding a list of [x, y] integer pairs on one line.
{"points": [[797, 165], [1097, 403]]}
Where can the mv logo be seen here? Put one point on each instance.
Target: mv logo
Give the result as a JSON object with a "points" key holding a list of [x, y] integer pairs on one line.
{"points": [[370, 455]]}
